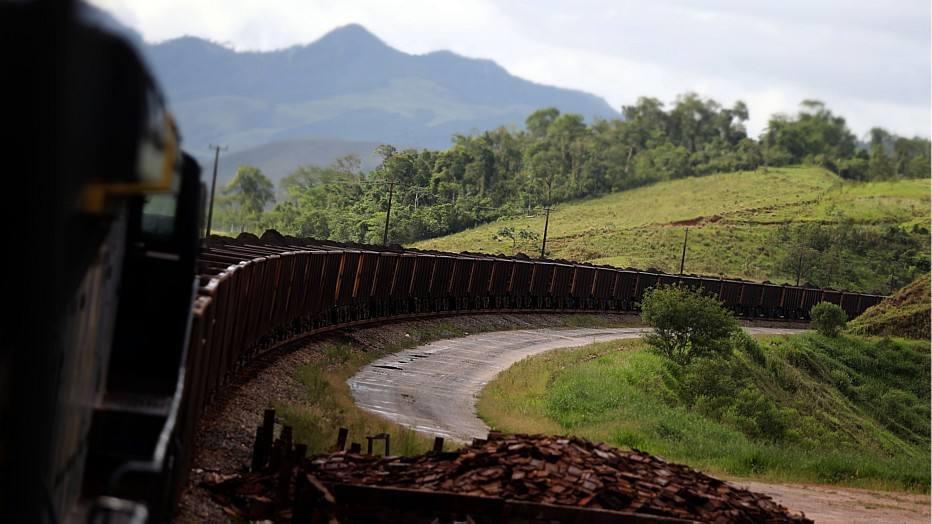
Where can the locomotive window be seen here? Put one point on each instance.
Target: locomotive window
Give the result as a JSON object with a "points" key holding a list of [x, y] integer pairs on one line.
{"points": [[158, 215]]}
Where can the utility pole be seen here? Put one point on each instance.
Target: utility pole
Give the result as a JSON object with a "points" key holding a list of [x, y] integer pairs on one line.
{"points": [[388, 214], [213, 186], [683, 257], [543, 244]]}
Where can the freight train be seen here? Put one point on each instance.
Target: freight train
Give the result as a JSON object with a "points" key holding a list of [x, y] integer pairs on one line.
{"points": [[127, 327]]}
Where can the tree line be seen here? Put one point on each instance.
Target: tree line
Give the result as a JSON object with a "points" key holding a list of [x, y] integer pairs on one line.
{"points": [[557, 157]]}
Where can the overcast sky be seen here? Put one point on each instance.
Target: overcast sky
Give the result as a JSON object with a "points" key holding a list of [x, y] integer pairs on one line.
{"points": [[868, 60]]}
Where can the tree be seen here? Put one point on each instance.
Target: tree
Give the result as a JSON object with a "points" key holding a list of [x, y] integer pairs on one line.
{"points": [[523, 234], [539, 121], [911, 157], [687, 323], [664, 162], [814, 136], [881, 165], [249, 192], [828, 319], [560, 156]]}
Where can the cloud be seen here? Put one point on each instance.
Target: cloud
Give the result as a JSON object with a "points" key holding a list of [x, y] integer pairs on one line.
{"points": [[869, 61]]}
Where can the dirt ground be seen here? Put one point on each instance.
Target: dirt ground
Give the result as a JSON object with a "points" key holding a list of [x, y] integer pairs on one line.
{"points": [[834, 505]]}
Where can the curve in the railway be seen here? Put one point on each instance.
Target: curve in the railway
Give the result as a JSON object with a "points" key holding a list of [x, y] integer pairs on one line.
{"points": [[256, 294]]}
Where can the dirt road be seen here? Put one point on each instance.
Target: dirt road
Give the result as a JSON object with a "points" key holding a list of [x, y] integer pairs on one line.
{"points": [[834, 505], [433, 388]]}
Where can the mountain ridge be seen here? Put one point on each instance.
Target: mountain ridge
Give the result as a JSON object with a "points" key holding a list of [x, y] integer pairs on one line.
{"points": [[346, 85]]}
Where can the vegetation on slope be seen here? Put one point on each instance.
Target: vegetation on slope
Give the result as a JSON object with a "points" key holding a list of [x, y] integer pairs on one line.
{"points": [[558, 158], [868, 236], [840, 410], [907, 313]]}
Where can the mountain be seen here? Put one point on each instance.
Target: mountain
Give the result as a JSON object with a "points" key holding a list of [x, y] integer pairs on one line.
{"points": [[278, 159], [348, 85]]}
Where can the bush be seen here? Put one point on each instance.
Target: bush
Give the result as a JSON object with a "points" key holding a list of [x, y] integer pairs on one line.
{"points": [[746, 344], [708, 385], [828, 319], [687, 323]]}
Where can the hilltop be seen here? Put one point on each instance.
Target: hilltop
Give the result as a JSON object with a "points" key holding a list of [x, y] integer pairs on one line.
{"points": [[740, 224]]}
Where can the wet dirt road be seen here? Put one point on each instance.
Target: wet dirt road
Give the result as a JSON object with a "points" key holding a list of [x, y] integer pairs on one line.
{"points": [[433, 388]]}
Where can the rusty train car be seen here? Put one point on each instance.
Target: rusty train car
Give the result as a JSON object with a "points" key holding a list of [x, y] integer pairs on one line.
{"points": [[257, 294], [303, 285]]}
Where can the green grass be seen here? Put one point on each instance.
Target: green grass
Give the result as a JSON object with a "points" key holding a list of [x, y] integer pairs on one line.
{"points": [[847, 411], [906, 313], [732, 221], [328, 403], [329, 406]]}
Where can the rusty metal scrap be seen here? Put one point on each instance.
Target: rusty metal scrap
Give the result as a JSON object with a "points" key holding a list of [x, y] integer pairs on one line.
{"points": [[564, 471]]}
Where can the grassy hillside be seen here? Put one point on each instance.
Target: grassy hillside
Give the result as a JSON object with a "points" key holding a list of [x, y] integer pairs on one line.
{"points": [[734, 222], [905, 314], [846, 410]]}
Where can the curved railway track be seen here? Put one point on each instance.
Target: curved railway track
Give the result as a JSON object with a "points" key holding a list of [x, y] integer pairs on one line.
{"points": [[256, 294]]}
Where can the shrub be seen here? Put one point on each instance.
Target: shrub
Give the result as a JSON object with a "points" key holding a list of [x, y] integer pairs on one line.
{"points": [[746, 344], [687, 323], [757, 416], [828, 319], [709, 381]]}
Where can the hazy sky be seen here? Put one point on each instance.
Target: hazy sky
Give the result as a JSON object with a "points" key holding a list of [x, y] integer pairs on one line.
{"points": [[868, 60]]}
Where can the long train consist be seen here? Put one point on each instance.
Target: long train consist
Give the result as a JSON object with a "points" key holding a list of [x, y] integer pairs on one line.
{"points": [[135, 328], [260, 293]]}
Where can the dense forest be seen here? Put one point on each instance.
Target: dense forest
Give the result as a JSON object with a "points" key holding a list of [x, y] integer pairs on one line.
{"points": [[555, 158]]}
